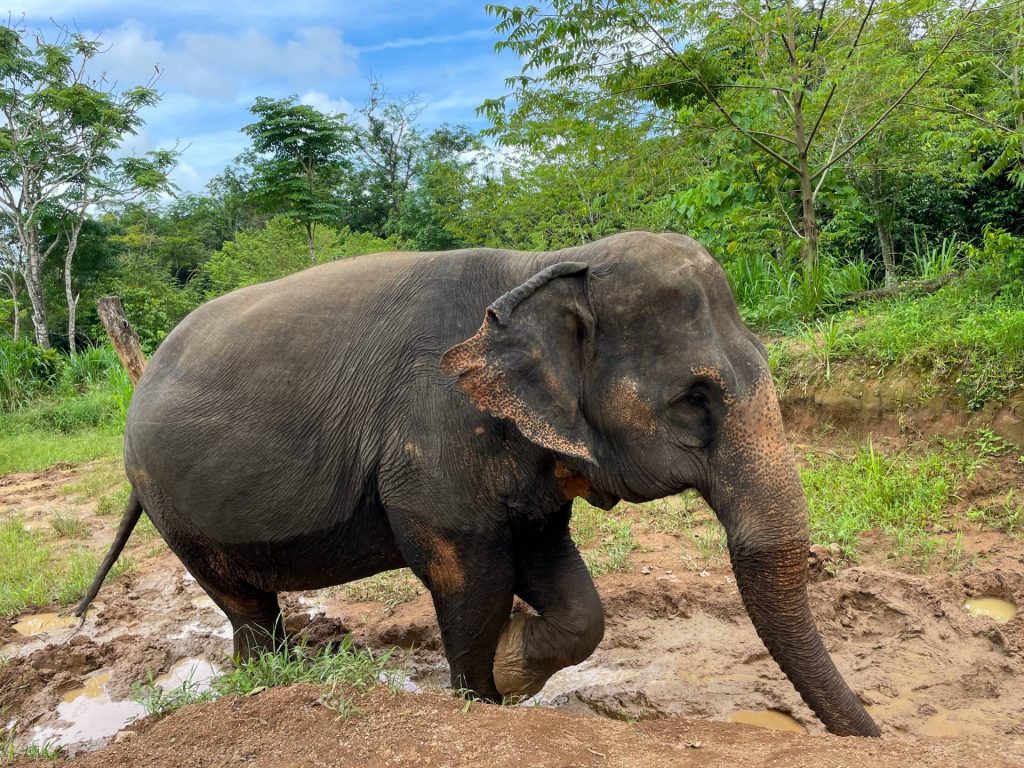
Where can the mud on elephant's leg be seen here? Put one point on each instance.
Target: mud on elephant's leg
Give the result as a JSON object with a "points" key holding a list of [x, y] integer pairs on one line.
{"points": [[553, 579], [256, 621], [471, 581]]}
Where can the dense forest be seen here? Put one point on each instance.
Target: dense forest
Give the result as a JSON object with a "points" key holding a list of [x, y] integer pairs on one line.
{"points": [[819, 150]]}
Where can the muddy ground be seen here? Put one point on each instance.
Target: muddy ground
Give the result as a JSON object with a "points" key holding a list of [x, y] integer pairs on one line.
{"points": [[678, 662]]}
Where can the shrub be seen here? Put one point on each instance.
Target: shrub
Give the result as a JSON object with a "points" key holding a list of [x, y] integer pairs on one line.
{"points": [[26, 372]]}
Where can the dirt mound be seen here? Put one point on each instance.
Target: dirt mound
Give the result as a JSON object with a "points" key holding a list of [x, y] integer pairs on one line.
{"points": [[294, 727]]}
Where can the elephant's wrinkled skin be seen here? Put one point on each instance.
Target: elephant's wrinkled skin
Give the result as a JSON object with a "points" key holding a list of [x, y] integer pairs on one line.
{"points": [[356, 417]]}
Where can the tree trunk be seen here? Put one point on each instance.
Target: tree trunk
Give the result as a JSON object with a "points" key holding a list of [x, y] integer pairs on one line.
{"points": [[69, 293], [34, 289], [72, 302], [309, 242], [885, 243], [809, 222], [122, 336], [32, 274]]}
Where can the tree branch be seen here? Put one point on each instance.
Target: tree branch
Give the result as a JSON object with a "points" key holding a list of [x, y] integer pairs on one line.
{"points": [[902, 97]]}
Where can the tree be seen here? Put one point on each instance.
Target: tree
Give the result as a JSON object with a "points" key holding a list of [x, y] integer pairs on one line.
{"points": [[390, 150], [444, 178], [299, 157], [60, 129], [789, 80]]}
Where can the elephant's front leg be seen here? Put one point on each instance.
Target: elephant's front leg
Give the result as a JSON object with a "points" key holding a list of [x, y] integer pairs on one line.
{"points": [[552, 577], [471, 580]]}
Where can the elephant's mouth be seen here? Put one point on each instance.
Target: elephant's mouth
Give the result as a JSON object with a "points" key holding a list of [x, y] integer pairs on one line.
{"points": [[601, 498]]}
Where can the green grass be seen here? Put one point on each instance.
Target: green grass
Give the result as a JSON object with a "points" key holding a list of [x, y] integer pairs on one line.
{"points": [[391, 588], [67, 525], [673, 515], [904, 496], [159, 702], [337, 668], [80, 418], [34, 573], [35, 450], [605, 540], [1006, 516], [965, 340]]}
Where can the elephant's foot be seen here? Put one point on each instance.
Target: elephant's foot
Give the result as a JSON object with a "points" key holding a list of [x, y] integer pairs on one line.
{"points": [[513, 674]]}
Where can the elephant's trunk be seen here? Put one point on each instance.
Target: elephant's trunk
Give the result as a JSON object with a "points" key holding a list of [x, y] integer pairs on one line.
{"points": [[756, 492]]}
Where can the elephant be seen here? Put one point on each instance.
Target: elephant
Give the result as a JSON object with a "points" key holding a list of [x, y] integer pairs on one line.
{"points": [[357, 417]]}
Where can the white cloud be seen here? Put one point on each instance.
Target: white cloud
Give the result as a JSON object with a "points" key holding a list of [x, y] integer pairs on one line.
{"points": [[412, 42], [188, 178], [324, 103], [215, 66]]}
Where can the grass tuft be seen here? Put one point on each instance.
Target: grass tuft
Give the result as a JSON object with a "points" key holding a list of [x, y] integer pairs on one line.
{"points": [[337, 668], [9, 750], [159, 702], [606, 541], [391, 588], [67, 525]]}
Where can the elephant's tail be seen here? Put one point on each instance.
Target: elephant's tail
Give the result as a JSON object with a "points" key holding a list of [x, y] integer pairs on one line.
{"points": [[131, 516]]}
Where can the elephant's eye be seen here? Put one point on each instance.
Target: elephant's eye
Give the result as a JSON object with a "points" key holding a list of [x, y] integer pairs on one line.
{"points": [[698, 398]]}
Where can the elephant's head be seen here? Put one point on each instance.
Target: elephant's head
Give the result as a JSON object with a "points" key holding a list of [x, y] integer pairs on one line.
{"points": [[635, 368]]}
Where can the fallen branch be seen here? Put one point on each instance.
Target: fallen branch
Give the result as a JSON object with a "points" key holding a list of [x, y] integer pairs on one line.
{"points": [[122, 336], [922, 286]]}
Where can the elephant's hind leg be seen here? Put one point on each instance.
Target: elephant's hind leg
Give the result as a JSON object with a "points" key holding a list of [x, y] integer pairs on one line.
{"points": [[554, 580], [256, 621]]}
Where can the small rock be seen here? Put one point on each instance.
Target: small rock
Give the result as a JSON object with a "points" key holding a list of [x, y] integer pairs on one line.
{"points": [[123, 736]]}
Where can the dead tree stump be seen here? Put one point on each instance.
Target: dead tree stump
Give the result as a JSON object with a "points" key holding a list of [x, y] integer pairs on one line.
{"points": [[122, 336]]}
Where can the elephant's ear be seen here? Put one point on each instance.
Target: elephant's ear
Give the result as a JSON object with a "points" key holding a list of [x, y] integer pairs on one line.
{"points": [[526, 361]]}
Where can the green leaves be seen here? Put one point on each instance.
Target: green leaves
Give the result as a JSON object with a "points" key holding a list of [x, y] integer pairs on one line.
{"points": [[298, 157]]}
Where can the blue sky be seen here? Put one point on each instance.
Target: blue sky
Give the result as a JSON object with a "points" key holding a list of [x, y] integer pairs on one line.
{"points": [[217, 56]]}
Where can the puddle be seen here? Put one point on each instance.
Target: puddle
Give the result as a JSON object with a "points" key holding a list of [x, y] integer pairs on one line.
{"points": [[1000, 611], [196, 672], [769, 718], [91, 715], [399, 681], [42, 623]]}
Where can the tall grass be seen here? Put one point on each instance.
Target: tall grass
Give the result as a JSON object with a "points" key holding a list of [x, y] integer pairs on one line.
{"points": [[58, 408], [773, 294], [26, 372], [930, 260]]}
